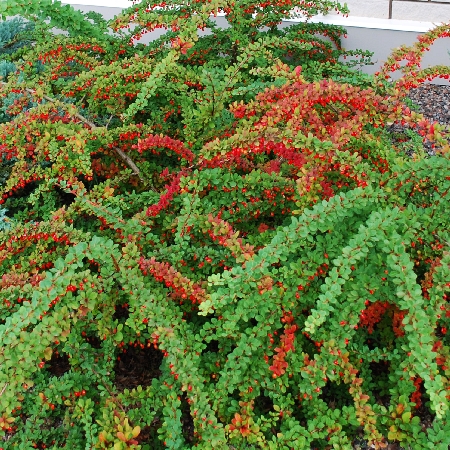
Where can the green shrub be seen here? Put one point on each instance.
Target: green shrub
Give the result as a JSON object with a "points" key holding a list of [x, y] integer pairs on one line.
{"points": [[215, 241]]}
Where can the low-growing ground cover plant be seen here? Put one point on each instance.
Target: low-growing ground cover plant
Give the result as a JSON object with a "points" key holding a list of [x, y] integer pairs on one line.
{"points": [[215, 240]]}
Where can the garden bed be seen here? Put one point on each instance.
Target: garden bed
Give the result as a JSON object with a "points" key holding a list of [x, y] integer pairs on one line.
{"points": [[222, 239]]}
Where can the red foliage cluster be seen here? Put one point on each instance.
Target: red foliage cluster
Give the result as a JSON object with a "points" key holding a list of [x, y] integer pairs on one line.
{"points": [[416, 396], [413, 75], [152, 141], [47, 56], [181, 287], [279, 364], [164, 200], [223, 233], [374, 313]]}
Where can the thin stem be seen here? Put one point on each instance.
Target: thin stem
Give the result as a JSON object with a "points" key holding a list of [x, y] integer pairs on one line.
{"points": [[4, 389], [109, 121]]}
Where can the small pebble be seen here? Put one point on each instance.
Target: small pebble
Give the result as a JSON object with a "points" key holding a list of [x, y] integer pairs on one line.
{"points": [[433, 101]]}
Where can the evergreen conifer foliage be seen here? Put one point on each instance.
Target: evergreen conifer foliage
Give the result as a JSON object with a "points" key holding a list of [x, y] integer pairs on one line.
{"points": [[215, 241], [14, 34]]}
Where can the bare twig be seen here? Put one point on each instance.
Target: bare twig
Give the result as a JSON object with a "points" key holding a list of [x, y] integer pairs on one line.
{"points": [[109, 120], [4, 389]]}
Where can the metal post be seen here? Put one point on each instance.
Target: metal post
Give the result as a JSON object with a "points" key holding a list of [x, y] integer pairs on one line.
{"points": [[390, 9]]}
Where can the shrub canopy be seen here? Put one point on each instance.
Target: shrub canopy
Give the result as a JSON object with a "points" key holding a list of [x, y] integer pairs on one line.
{"points": [[229, 239]]}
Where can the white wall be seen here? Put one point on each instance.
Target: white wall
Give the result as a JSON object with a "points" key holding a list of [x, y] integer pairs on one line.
{"points": [[402, 10]]}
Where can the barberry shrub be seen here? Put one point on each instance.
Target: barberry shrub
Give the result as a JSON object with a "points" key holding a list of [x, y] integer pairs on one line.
{"points": [[216, 240]]}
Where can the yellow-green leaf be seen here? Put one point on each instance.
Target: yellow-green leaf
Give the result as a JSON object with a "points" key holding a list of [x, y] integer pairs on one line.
{"points": [[48, 353], [406, 417]]}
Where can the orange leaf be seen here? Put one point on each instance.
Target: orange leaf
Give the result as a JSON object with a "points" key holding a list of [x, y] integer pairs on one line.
{"points": [[121, 436]]}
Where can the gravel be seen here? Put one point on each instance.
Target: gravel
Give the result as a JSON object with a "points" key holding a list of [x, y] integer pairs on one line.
{"points": [[433, 101]]}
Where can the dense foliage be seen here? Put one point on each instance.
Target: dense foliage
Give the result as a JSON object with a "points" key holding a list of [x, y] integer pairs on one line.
{"points": [[217, 240]]}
